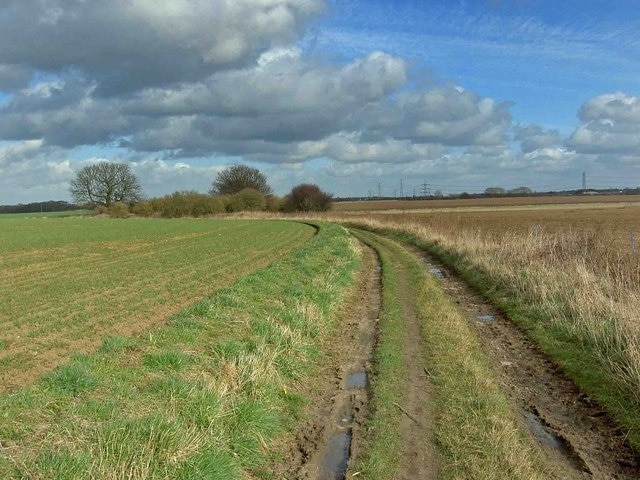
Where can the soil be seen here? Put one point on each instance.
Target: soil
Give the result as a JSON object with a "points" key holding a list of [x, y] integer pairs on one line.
{"points": [[576, 434]]}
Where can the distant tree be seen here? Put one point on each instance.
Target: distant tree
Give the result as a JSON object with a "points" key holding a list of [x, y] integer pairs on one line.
{"points": [[307, 197], [105, 183], [494, 191], [521, 191], [438, 193], [239, 177]]}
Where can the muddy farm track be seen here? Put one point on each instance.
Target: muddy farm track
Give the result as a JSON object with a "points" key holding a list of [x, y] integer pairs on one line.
{"points": [[575, 433], [577, 438]]}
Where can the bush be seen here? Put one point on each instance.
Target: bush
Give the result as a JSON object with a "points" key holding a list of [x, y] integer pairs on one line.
{"points": [[143, 209], [307, 197], [119, 210], [246, 200], [273, 203], [181, 204], [101, 210]]}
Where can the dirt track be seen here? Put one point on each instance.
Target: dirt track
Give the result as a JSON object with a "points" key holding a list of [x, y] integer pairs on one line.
{"points": [[330, 440], [578, 438], [576, 434]]}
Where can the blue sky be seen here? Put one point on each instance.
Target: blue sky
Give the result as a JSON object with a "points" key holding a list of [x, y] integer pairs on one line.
{"points": [[348, 94], [546, 57]]}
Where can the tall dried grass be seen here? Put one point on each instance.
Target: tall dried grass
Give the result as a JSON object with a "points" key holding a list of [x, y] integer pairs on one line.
{"points": [[579, 278]]}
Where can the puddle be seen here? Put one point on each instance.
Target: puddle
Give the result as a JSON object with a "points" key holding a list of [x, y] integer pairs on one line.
{"points": [[546, 437], [433, 270], [541, 433], [336, 458], [486, 318], [357, 380], [436, 272]]}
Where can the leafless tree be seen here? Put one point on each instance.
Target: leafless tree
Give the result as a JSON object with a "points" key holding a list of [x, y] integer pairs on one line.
{"points": [[105, 183], [239, 177], [307, 197]]}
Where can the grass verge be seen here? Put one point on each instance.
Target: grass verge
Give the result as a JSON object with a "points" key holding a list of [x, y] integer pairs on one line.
{"points": [[200, 398], [477, 433]]}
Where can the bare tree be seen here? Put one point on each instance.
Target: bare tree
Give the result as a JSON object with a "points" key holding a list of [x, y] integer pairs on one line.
{"points": [[105, 183], [239, 177]]}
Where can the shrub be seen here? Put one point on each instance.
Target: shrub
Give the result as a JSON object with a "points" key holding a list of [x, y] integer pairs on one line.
{"points": [[246, 200], [181, 204], [143, 209], [273, 203], [101, 210], [119, 210], [307, 197]]}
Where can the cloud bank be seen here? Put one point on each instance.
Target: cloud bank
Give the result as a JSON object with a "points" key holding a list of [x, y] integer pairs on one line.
{"points": [[178, 88]]}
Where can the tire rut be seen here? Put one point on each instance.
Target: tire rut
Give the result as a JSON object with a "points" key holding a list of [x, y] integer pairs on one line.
{"points": [[331, 440], [575, 433]]}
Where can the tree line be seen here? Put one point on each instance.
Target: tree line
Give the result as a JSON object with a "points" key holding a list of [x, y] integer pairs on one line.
{"points": [[113, 188], [34, 207]]}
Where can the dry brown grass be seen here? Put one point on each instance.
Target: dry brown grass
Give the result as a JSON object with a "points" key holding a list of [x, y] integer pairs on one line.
{"points": [[575, 265], [478, 203]]}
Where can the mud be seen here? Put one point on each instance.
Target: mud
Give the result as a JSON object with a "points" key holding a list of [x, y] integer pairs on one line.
{"points": [[330, 441], [575, 433], [358, 380]]}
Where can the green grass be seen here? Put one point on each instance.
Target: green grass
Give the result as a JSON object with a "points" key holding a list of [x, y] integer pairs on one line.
{"points": [[384, 446], [70, 281], [202, 397], [477, 433]]}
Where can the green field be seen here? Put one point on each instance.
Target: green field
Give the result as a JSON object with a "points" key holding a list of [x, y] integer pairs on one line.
{"points": [[67, 282], [200, 396]]}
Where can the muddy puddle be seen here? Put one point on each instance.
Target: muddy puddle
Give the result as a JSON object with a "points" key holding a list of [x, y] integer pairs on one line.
{"points": [[577, 436], [547, 437], [434, 270], [336, 458], [357, 380]]}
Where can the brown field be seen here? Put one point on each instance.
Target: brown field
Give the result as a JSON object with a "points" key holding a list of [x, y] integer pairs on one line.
{"points": [[614, 219], [479, 203], [614, 224]]}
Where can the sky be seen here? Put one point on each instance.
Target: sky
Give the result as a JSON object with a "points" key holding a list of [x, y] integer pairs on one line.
{"points": [[362, 97]]}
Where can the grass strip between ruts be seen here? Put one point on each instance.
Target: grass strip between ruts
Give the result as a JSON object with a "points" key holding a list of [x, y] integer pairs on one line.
{"points": [[199, 398]]}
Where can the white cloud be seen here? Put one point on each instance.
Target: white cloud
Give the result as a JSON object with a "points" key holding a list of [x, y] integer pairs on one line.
{"points": [[610, 125]]}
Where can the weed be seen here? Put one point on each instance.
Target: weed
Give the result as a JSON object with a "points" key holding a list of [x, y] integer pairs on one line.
{"points": [[73, 378], [166, 360]]}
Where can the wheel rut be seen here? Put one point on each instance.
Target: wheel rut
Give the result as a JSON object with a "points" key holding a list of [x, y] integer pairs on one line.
{"points": [[330, 440], [575, 433]]}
